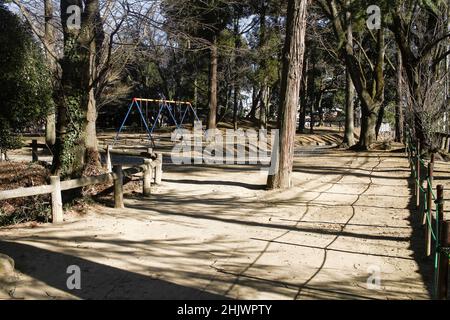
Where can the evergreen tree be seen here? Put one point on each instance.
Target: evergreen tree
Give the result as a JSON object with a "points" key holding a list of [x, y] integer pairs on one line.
{"points": [[26, 93]]}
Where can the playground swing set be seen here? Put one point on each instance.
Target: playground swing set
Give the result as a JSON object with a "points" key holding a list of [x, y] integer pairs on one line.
{"points": [[163, 105]]}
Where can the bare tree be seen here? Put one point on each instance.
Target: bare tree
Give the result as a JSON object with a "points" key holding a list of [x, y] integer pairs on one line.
{"points": [[421, 33], [370, 87], [83, 84]]}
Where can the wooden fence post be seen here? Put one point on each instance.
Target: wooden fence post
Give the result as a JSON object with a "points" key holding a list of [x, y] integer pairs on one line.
{"points": [[118, 187], [108, 158], [158, 169], [443, 238], [34, 150], [57, 209], [147, 177], [428, 206]]}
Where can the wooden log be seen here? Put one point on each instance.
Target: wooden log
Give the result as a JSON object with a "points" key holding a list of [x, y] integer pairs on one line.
{"points": [[34, 150], [108, 158], [158, 172], [57, 209], [118, 187], [86, 181], [25, 192], [147, 185]]}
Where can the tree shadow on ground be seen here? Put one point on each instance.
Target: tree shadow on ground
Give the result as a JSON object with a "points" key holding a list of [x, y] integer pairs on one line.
{"points": [[217, 182], [242, 212], [417, 243], [98, 281]]}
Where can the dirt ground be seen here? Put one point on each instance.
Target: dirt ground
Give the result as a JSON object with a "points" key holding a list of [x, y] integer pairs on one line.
{"points": [[213, 232]]}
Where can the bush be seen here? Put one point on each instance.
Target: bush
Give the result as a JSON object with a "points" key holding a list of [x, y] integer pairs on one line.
{"points": [[25, 81], [15, 175]]}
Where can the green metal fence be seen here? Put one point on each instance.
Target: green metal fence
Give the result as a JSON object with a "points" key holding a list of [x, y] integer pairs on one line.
{"points": [[436, 228]]}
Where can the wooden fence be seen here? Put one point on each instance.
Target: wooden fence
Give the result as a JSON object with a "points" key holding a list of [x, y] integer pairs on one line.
{"points": [[437, 229], [151, 170]]}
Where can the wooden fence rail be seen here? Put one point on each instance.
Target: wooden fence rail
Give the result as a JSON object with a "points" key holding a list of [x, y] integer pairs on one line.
{"points": [[151, 169]]}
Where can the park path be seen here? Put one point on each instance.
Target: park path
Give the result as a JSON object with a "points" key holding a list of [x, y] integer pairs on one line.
{"points": [[214, 232]]}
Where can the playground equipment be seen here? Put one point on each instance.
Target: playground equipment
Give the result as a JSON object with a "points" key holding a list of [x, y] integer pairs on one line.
{"points": [[170, 106]]}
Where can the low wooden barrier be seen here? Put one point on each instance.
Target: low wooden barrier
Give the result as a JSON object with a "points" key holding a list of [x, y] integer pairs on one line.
{"points": [[151, 169]]}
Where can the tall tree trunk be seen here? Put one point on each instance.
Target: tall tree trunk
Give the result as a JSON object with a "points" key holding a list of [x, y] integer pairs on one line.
{"points": [[371, 98], [92, 155], [263, 108], [371, 104], [235, 106], [311, 119], [303, 97], [319, 108], [193, 119], [236, 86], [368, 122], [76, 137], [293, 52], [91, 141], [379, 123], [312, 90], [447, 77], [349, 135], [212, 119], [263, 66], [412, 68], [49, 39], [256, 96]]}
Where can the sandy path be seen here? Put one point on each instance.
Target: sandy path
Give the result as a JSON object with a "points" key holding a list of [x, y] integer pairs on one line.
{"points": [[213, 232]]}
